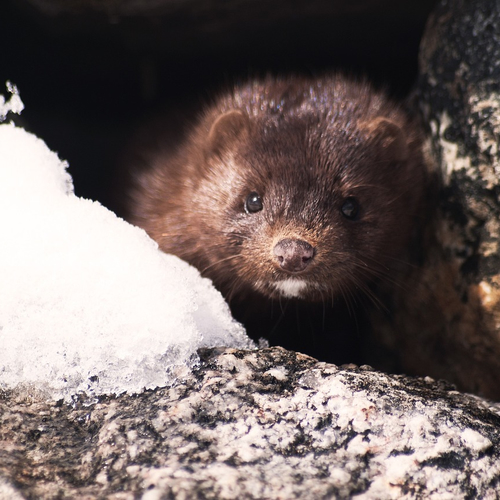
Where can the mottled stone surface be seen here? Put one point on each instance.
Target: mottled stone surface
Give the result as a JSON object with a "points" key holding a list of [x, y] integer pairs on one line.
{"points": [[257, 424], [460, 88], [449, 324]]}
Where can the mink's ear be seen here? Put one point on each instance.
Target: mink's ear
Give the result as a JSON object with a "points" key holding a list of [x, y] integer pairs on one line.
{"points": [[226, 130], [389, 137]]}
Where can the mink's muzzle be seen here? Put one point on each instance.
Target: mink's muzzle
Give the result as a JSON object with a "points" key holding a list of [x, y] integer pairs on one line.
{"points": [[293, 256]]}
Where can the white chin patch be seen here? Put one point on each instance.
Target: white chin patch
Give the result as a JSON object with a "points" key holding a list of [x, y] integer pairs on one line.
{"points": [[290, 288]]}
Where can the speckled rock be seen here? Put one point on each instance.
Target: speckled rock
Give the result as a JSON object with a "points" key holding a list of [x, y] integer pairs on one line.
{"points": [[448, 323], [257, 424], [460, 88]]}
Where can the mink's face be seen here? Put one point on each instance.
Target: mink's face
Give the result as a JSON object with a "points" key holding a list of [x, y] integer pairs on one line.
{"points": [[303, 210]]}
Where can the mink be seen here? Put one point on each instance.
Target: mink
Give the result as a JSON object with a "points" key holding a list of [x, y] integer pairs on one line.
{"points": [[297, 197]]}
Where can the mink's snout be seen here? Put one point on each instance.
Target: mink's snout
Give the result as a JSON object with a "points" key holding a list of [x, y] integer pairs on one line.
{"points": [[293, 255]]}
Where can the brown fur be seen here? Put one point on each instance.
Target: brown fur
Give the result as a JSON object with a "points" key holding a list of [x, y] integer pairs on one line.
{"points": [[305, 146]]}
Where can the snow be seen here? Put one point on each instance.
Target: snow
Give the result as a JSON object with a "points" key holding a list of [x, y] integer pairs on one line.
{"points": [[13, 105], [88, 303]]}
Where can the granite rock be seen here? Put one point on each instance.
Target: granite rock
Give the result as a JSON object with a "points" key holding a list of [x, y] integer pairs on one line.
{"points": [[460, 92], [447, 324], [256, 424]]}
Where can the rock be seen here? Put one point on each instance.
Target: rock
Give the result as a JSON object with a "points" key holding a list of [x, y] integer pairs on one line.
{"points": [[447, 325], [460, 92], [257, 424]]}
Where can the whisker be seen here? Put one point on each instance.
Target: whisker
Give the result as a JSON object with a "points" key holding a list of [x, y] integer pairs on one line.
{"points": [[280, 318], [398, 260], [220, 261], [351, 299], [365, 289], [380, 272], [232, 290]]}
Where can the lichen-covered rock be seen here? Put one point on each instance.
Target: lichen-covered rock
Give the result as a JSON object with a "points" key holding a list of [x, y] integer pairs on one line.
{"points": [[448, 324], [257, 424], [460, 88]]}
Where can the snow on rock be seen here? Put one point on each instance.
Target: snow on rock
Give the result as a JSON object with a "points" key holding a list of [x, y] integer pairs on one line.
{"points": [[87, 302]]}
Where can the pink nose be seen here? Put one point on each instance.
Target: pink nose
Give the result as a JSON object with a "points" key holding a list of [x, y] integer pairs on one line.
{"points": [[293, 255]]}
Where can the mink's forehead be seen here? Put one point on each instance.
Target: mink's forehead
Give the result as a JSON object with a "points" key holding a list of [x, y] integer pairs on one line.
{"points": [[337, 97], [311, 141], [303, 165], [297, 168]]}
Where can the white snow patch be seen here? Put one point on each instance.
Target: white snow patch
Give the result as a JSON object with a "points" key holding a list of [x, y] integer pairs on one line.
{"points": [[87, 302], [13, 105]]}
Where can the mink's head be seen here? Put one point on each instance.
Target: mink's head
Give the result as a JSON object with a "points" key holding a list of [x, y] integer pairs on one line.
{"points": [[298, 190]]}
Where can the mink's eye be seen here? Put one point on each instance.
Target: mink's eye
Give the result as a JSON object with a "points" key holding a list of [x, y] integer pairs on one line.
{"points": [[350, 208], [253, 203]]}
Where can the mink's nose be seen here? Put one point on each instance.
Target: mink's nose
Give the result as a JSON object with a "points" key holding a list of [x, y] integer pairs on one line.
{"points": [[293, 255]]}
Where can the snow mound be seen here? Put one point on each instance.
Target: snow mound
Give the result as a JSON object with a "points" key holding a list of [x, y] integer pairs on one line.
{"points": [[87, 301]]}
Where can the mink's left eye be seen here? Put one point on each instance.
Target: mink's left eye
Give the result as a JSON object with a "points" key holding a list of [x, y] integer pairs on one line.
{"points": [[350, 208], [253, 203]]}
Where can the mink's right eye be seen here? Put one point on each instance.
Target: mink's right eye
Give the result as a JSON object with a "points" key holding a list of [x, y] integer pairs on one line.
{"points": [[350, 208], [253, 203]]}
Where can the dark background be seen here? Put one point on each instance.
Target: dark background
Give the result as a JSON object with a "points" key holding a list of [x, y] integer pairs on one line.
{"points": [[89, 71]]}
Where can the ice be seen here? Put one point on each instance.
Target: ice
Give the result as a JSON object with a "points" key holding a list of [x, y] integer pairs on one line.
{"points": [[13, 105], [88, 304]]}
